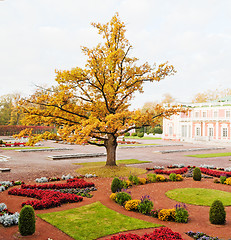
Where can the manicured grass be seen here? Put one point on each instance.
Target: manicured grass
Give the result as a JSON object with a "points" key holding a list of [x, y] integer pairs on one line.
{"points": [[21, 148], [108, 171], [93, 221], [210, 155], [126, 161], [143, 138], [199, 196], [122, 145]]}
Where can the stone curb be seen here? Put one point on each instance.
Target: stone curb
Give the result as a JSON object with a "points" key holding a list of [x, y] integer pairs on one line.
{"points": [[78, 155], [189, 150]]}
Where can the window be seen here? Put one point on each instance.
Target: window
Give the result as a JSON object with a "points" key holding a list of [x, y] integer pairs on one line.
{"points": [[184, 130], [197, 114], [210, 132], [225, 132], [170, 131], [215, 114], [204, 114], [227, 114], [198, 131]]}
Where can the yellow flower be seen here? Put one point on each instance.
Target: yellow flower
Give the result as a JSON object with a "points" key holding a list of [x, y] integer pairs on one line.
{"points": [[132, 204]]}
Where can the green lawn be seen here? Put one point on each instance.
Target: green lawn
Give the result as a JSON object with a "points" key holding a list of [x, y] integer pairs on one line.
{"points": [[21, 148], [108, 171], [210, 155], [93, 221], [143, 138], [199, 196], [126, 161]]}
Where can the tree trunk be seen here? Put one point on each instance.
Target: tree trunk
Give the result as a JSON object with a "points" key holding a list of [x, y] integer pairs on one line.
{"points": [[111, 144]]}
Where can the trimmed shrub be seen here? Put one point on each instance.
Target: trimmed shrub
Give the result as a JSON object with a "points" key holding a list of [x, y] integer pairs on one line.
{"points": [[181, 215], [217, 213], [26, 223], [222, 179], [122, 197], [151, 177], [140, 134], [158, 130], [126, 134], [145, 206], [172, 177], [134, 179], [197, 174], [134, 134], [116, 185]]}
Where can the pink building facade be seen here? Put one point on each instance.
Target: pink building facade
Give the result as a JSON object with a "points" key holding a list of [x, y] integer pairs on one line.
{"points": [[204, 122]]}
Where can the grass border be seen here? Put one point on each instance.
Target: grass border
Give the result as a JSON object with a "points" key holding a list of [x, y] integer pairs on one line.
{"points": [[210, 155], [199, 196], [93, 221]]}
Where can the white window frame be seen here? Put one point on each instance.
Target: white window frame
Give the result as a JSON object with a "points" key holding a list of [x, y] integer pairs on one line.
{"points": [[227, 114], [204, 114], [210, 131], [215, 114], [197, 114], [198, 131], [224, 132]]}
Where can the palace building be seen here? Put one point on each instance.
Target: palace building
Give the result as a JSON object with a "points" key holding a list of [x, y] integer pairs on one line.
{"points": [[209, 121]]}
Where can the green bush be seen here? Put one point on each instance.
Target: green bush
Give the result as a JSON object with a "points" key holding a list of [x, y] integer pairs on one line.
{"points": [[134, 134], [222, 179], [145, 206], [181, 215], [151, 177], [197, 174], [158, 130], [140, 134], [116, 185], [134, 179], [217, 213], [122, 197], [26, 222], [126, 134], [172, 177]]}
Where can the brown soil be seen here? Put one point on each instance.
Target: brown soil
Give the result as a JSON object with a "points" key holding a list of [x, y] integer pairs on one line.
{"points": [[199, 216]]}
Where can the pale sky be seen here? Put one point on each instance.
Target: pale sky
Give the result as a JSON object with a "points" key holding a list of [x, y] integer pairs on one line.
{"points": [[39, 36]]}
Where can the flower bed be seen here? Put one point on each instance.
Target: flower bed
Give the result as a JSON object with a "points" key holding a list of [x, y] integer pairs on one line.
{"points": [[168, 172], [162, 233], [15, 144], [215, 173], [4, 185], [6, 217], [48, 198], [201, 235], [71, 183]]}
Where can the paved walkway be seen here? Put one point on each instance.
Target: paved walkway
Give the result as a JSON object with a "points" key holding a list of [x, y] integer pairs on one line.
{"points": [[31, 165]]}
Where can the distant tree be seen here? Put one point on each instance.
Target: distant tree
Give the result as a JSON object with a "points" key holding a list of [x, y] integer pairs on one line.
{"points": [[92, 103], [9, 114], [168, 98], [211, 95]]}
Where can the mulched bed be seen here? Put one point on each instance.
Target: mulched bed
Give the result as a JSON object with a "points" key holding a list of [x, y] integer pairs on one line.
{"points": [[198, 215]]}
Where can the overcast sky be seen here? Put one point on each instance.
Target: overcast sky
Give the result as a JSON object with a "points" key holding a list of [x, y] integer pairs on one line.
{"points": [[39, 36]]}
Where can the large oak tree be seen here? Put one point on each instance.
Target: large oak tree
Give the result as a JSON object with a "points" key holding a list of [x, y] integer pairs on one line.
{"points": [[92, 103]]}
